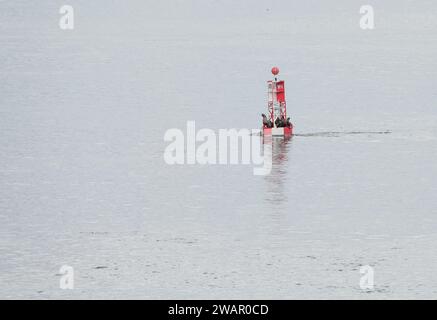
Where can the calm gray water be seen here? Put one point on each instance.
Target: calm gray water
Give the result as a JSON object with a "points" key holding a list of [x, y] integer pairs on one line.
{"points": [[83, 181]]}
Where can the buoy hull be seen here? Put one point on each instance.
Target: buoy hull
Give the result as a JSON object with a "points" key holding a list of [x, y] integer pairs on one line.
{"points": [[278, 132]]}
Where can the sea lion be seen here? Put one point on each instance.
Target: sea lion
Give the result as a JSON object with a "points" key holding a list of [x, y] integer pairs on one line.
{"points": [[266, 122]]}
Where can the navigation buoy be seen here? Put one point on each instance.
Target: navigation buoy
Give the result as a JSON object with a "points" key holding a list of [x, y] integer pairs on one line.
{"points": [[276, 123]]}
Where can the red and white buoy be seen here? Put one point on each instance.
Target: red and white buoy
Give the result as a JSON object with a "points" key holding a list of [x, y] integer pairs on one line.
{"points": [[276, 122]]}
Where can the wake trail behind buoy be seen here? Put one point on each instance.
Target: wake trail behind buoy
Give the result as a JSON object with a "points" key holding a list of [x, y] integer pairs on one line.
{"points": [[338, 133]]}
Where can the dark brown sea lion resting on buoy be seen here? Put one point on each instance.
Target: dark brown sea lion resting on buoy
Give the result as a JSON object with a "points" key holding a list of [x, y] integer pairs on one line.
{"points": [[266, 122], [280, 122], [288, 123]]}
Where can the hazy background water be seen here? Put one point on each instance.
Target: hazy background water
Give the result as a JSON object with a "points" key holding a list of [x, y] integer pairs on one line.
{"points": [[82, 176]]}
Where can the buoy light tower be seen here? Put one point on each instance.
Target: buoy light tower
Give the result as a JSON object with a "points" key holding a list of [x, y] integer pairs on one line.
{"points": [[276, 123]]}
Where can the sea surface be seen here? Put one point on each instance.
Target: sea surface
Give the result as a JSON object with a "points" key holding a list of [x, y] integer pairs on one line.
{"points": [[83, 181]]}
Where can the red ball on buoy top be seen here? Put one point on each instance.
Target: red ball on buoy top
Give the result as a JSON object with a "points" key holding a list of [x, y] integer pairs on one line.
{"points": [[275, 71]]}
